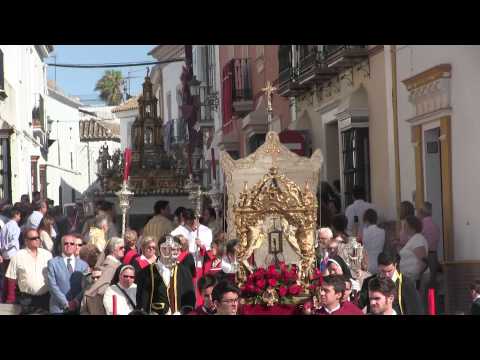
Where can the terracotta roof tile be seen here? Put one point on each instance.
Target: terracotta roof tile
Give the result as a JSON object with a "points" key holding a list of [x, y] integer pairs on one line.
{"points": [[130, 104], [92, 130]]}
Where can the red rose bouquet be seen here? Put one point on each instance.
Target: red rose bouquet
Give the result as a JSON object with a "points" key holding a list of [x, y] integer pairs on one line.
{"points": [[277, 284]]}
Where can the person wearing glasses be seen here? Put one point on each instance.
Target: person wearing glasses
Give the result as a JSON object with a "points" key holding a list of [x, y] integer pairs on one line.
{"points": [[78, 244], [166, 287], [125, 291], [27, 270], [149, 254], [225, 297], [65, 278], [114, 252]]}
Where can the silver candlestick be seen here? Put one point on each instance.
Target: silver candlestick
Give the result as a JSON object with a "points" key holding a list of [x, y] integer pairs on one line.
{"points": [[124, 197]]}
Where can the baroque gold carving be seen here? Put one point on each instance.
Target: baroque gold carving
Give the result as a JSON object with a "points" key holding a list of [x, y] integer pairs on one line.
{"points": [[276, 194]]}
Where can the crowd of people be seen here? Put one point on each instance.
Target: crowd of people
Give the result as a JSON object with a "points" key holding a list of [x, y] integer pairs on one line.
{"points": [[52, 263]]}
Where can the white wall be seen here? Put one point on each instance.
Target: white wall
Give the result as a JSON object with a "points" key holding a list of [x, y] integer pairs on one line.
{"points": [[171, 79], [67, 147], [465, 87], [126, 121], [25, 76]]}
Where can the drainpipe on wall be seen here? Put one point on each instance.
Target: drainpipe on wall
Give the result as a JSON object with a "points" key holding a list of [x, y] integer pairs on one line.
{"points": [[393, 51]]}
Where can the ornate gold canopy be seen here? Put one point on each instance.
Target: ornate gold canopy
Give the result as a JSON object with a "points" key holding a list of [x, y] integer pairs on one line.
{"points": [[276, 194], [273, 181]]}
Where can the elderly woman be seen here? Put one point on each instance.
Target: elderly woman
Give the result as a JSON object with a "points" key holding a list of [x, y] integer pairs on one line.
{"points": [[130, 246], [413, 256], [149, 254], [125, 291], [114, 252]]}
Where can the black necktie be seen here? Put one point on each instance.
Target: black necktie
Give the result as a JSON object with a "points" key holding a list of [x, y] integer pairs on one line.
{"points": [[69, 265]]}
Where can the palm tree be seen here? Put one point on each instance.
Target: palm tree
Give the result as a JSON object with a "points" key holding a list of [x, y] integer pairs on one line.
{"points": [[110, 87]]}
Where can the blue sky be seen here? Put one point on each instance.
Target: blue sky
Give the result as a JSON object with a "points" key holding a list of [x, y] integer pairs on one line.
{"points": [[81, 82]]}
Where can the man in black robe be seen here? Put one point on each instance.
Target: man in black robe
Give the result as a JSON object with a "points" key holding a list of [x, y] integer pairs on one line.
{"points": [[407, 301], [166, 287]]}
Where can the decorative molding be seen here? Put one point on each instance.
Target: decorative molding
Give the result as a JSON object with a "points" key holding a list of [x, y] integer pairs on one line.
{"points": [[428, 76], [430, 91], [429, 117]]}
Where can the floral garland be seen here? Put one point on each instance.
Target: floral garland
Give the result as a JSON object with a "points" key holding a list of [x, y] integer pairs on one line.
{"points": [[273, 285]]}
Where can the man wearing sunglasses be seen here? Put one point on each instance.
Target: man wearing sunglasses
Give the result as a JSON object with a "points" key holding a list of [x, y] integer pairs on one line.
{"points": [[27, 270], [65, 278]]}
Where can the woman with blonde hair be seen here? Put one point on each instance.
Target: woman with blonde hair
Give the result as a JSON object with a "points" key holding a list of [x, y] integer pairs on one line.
{"points": [[149, 254], [45, 231]]}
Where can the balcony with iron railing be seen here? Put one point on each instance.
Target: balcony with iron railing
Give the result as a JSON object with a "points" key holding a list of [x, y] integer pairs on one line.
{"points": [[314, 64], [242, 94], [343, 56]]}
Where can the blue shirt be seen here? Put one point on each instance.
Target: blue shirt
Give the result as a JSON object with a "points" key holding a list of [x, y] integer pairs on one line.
{"points": [[9, 244]]}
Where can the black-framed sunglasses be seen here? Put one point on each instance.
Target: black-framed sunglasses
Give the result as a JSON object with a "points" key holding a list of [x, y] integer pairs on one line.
{"points": [[34, 238]]}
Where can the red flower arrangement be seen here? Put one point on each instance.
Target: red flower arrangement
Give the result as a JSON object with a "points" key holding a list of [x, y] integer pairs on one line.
{"points": [[272, 285]]}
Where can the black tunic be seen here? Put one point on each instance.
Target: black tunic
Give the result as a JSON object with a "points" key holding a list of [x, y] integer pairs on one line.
{"points": [[411, 304], [152, 293]]}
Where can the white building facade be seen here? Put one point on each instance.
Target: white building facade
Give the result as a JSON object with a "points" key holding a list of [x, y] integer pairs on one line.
{"points": [[438, 132], [24, 145]]}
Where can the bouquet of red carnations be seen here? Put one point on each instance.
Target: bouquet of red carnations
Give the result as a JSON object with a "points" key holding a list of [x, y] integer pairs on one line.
{"points": [[277, 284]]}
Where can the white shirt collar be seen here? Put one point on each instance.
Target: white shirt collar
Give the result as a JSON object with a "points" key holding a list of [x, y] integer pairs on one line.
{"points": [[392, 313], [333, 310], [476, 297], [68, 257]]}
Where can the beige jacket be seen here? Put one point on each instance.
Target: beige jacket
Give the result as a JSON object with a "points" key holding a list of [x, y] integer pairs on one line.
{"points": [[92, 303], [157, 227]]}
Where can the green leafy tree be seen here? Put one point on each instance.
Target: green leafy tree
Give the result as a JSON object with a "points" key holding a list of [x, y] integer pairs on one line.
{"points": [[110, 87]]}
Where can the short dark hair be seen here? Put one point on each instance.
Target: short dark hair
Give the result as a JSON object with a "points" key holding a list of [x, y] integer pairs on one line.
{"points": [[475, 286], [336, 281], [164, 238], [339, 223], [179, 211], [159, 206], [34, 193], [358, 192], [415, 223], [387, 258], [189, 214], [206, 281], [14, 212], [370, 216], [384, 285], [222, 288], [37, 205], [105, 205], [230, 246], [211, 212], [406, 209]]}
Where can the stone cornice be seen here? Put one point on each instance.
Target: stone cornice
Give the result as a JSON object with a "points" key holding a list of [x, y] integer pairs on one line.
{"points": [[428, 76]]}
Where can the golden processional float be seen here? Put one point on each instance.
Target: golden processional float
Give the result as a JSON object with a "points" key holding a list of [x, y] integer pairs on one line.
{"points": [[272, 205]]}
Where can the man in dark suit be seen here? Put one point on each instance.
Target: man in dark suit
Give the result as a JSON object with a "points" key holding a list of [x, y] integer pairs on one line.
{"points": [[65, 275], [407, 301], [475, 293]]}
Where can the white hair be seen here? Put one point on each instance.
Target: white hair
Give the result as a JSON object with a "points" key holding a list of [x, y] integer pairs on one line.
{"points": [[112, 243], [326, 231]]}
